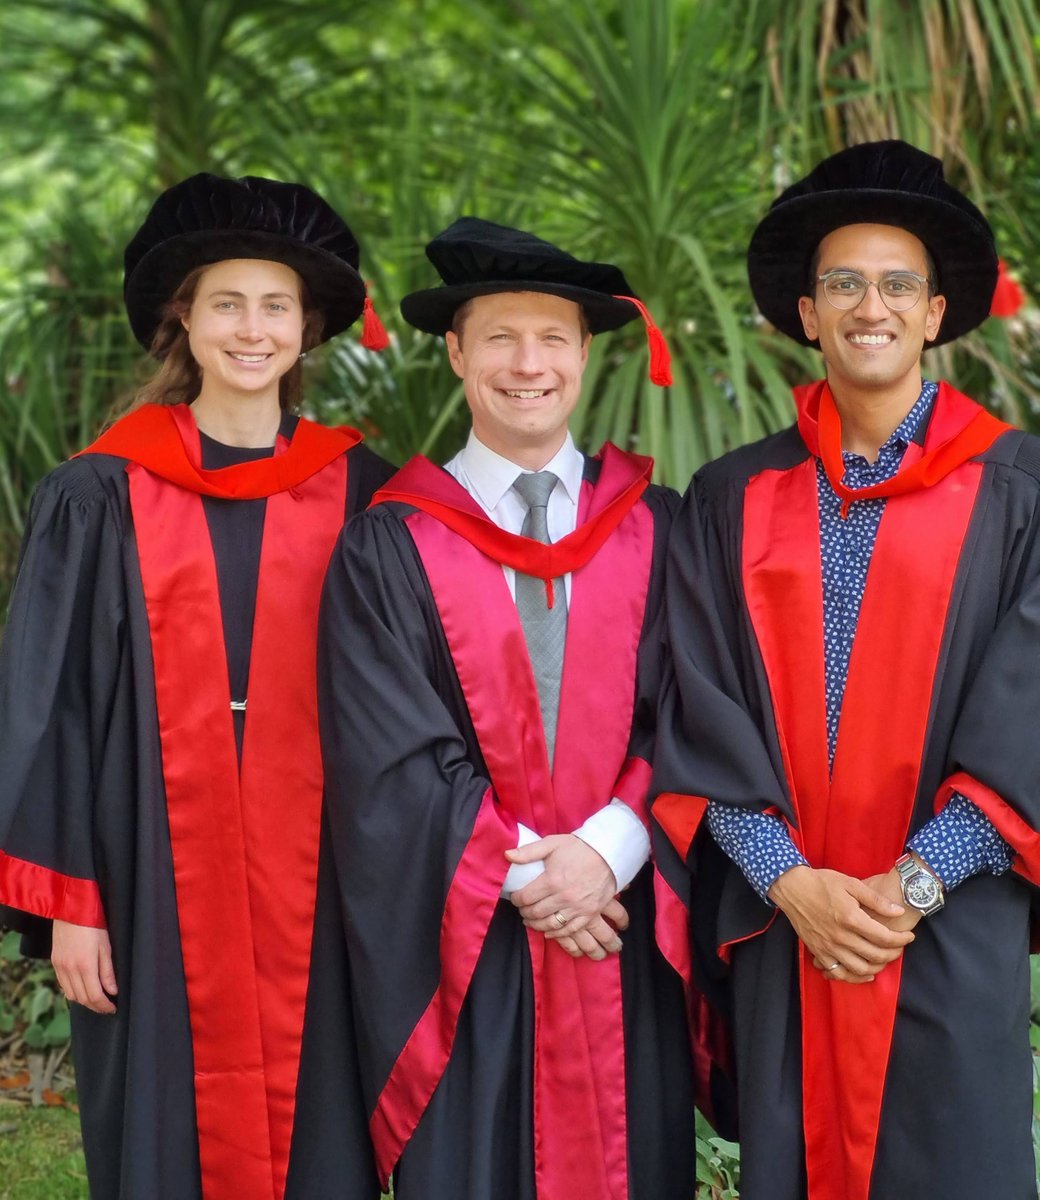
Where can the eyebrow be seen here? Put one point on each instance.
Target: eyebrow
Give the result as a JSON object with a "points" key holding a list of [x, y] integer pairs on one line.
{"points": [[242, 295], [504, 327], [888, 271]]}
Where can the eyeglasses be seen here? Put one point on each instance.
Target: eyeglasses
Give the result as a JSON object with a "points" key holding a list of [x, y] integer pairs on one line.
{"points": [[899, 290]]}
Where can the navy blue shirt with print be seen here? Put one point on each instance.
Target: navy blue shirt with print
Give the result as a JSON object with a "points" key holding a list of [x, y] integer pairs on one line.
{"points": [[959, 841]]}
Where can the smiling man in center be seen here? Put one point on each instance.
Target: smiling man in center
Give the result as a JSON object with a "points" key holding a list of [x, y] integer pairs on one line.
{"points": [[487, 798]]}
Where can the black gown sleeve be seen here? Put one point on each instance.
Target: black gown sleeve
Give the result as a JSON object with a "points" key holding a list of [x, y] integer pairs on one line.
{"points": [[663, 503], [367, 471], [994, 754], [404, 781], [58, 670], [711, 742]]}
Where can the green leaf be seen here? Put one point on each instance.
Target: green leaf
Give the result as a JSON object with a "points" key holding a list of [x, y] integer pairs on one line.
{"points": [[10, 947], [41, 1002], [58, 1030], [35, 1038]]}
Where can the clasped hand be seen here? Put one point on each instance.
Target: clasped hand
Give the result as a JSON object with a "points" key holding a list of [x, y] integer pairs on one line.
{"points": [[578, 885], [860, 924]]}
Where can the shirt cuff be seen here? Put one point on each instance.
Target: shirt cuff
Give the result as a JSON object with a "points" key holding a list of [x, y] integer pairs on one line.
{"points": [[757, 842], [960, 841], [618, 835], [520, 875]]}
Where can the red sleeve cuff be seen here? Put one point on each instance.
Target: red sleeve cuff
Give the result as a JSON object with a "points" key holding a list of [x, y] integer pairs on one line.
{"points": [[633, 787], [1020, 836], [45, 893], [680, 818]]}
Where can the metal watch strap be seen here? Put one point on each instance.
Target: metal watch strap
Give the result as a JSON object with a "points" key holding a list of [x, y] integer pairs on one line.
{"points": [[909, 870]]}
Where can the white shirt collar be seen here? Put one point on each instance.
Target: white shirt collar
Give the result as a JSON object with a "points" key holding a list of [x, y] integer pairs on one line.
{"points": [[491, 475]]}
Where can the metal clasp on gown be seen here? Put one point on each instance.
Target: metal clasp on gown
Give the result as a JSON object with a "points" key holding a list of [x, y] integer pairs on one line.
{"points": [[238, 706]]}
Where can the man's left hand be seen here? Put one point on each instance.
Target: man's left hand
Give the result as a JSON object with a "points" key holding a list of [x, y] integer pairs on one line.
{"points": [[577, 885], [890, 886]]}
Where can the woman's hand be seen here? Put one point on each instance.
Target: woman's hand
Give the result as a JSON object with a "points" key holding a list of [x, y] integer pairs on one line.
{"points": [[82, 960]]}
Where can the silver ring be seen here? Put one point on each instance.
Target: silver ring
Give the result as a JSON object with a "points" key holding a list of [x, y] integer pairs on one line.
{"points": [[561, 920], [832, 967]]}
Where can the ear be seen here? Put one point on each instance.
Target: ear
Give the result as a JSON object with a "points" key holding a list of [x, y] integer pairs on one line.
{"points": [[807, 311], [936, 311], [585, 350], [455, 356]]}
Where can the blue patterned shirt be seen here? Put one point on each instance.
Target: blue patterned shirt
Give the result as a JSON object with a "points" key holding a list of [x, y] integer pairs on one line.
{"points": [[958, 842]]}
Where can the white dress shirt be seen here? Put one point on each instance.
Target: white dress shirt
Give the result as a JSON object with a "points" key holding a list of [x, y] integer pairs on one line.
{"points": [[615, 832]]}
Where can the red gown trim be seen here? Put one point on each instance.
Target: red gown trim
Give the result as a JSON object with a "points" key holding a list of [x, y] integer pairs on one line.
{"points": [[31, 888], [847, 1030], [680, 817], [579, 1068], [244, 841], [472, 897], [1019, 835], [433, 490], [633, 786], [968, 430], [159, 437]]}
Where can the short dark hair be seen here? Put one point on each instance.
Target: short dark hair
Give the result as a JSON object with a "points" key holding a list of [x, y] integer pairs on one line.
{"points": [[814, 268], [460, 315]]}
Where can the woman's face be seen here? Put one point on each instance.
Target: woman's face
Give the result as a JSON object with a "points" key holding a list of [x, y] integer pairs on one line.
{"points": [[245, 326]]}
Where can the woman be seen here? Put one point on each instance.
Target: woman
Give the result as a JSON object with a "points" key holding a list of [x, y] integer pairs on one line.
{"points": [[158, 739]]}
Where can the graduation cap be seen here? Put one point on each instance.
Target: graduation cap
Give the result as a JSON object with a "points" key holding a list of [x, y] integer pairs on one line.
{"points": [[479, 258], [207, 218], [877, 183]]}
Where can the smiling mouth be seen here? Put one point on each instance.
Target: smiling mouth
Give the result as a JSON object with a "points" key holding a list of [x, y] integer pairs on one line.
{"points": [[870, 339], [526, 393], [248, 358]]}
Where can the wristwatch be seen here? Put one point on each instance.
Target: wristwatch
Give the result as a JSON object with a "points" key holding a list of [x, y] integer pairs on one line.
{"points": [[921, 889]]}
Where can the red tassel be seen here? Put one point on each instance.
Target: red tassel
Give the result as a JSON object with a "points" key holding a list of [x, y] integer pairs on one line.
{"points": [[550, 593], [1008, 297], [660, 358], [373, 332]]}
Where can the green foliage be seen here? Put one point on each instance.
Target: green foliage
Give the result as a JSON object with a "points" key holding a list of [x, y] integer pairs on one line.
{"points": [[718, 1165], [31, 1004], [653, 135]]}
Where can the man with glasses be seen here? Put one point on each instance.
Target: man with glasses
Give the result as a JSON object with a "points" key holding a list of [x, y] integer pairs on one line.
{"points": [[854, 609]]}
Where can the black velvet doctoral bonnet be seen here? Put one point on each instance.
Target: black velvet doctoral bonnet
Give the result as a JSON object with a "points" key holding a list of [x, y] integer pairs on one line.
{"points": [[478, 258], [206, 219], [881, 183]]}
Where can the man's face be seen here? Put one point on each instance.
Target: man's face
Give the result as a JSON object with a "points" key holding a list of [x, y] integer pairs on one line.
{"points": [[869, 347], [520, 357]]}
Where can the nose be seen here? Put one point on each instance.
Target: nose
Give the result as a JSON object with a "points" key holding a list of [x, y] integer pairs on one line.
{"points": [[872, 307], [527, 358], [249, 329]]}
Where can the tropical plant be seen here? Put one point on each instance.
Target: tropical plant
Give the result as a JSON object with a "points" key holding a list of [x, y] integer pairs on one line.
{"points": [[641, 142], [958, 78]]}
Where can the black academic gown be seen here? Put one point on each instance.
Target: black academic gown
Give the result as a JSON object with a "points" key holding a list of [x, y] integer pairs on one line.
{"points": [[84, 800], [954, 1083], [419, 836]]}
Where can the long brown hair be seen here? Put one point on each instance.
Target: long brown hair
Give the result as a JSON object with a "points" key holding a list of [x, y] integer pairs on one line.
{"points": [[179, 380]]}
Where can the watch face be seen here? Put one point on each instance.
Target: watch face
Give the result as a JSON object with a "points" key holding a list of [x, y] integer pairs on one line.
{"points": [[921, 890]]}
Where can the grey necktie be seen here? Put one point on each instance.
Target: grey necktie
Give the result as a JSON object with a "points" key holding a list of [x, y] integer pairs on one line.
{"points": [[545, 628]]}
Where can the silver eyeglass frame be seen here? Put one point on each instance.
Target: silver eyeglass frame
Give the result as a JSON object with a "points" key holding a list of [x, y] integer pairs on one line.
{"points": [[923, 280]]}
